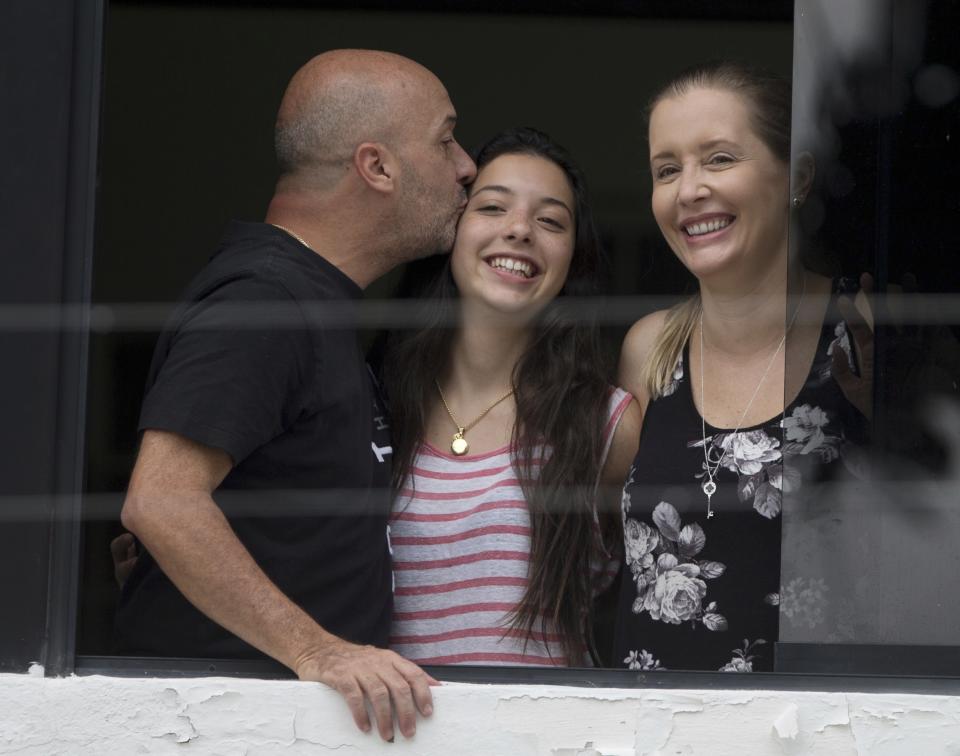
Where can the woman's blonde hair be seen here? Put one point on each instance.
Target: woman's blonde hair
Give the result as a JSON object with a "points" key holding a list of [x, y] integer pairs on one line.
{"points": [[657, 371]]}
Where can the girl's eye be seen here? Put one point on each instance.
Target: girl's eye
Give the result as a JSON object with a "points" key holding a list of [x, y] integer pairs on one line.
{"points": [[490, 209], [552, 222]]}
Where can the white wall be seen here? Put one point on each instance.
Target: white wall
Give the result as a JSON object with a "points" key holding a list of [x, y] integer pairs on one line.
{"points": [[105, 716]]}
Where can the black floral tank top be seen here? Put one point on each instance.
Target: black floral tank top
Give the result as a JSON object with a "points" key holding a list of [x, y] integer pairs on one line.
{"points": [[701, 593]]}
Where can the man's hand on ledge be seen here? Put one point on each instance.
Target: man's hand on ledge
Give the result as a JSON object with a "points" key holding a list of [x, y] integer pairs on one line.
{"points": [[365, 673]]}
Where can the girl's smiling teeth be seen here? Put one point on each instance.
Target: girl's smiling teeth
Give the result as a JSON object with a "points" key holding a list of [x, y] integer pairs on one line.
{"points": [[706, 227], [512, 265]]}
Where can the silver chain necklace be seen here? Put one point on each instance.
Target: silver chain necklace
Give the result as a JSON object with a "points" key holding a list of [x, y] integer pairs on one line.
{"points": [[709, 486]]}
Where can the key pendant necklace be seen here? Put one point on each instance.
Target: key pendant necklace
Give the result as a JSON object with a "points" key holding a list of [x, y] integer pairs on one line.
{"points": [[459, 445], [709, 485]]}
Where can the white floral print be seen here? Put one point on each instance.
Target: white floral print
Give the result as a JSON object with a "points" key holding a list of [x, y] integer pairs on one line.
{"points": [[671, 577], [640, 540], [625, 499], [801, 600], [756, 458], [670, 582], [642, 660], [747, 453], [676, 592], [804, 431], [742, 659], [764, 469], [841, 340], [675, 381], [805, 425]]}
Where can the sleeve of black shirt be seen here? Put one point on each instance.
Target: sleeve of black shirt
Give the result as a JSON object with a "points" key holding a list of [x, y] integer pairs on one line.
{"points": [[238, 369]]}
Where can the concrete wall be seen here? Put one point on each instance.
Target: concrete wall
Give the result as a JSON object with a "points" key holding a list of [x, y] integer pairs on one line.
{"points": [[104, 716]]}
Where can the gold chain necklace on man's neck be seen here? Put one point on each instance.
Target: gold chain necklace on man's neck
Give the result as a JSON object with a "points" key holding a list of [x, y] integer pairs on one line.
{"points": [[459, 445], [295, 236]]}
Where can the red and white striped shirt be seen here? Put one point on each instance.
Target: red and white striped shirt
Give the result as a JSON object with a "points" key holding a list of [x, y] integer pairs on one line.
{"points": [[460, 533]]}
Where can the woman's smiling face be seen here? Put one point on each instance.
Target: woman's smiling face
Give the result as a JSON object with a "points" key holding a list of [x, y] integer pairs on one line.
{"points": [[516, 236], [720, 195]]}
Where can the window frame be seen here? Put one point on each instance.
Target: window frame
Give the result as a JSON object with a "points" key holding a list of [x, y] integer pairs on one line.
{"points": [[55, 644], [56, 49]]}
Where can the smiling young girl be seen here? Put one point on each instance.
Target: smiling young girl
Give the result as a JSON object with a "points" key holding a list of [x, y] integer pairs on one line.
{"points": [[504, 425]]}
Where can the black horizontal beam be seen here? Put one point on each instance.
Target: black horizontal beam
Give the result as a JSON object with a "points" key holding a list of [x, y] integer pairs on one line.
{"points": [[726, 10], [584, 678]]}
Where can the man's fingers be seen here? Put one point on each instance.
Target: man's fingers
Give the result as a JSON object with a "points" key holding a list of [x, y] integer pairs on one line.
{"points": [[401, 693], [122, 547], [374, 682], [422, 696], [353, 695], [379, 697], [419, 682]]}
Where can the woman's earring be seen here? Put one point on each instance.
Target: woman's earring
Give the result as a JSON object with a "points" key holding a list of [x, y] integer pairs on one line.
{"points": [[797, 201]]}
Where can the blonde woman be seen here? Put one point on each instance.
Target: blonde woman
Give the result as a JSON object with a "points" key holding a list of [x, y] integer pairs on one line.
{"points": [[747, 392]]}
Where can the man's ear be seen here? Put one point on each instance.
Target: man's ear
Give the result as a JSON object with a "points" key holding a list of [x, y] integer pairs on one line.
{"points": [[376, 166], [801, 180]]}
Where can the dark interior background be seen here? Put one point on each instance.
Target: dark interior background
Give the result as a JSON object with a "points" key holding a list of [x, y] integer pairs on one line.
{"points": [[190, 96], [190, 93]]}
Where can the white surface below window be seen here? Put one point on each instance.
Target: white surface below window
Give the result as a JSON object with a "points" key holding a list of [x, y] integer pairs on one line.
{"points": [[105, 716]]}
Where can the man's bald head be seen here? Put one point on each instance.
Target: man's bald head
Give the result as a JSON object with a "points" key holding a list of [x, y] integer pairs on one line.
{"points": [[340, 99]]}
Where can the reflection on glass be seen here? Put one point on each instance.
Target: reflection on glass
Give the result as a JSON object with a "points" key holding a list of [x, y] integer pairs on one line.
{"points": [[869, 560]]}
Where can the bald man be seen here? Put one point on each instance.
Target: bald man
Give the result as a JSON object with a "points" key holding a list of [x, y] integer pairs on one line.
{"points": [[261, 488]]}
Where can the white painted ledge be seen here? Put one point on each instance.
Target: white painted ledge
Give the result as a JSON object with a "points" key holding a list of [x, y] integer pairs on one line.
{"points": [[110, 716]]}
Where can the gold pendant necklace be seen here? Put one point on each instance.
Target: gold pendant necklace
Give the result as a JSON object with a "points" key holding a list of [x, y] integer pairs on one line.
{"points": [[459, 445]]}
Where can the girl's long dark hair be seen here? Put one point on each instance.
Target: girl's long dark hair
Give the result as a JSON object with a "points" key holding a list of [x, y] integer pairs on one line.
{"points": [[561, 386]]}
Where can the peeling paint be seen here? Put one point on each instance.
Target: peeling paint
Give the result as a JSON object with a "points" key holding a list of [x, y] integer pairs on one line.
{"points": [[786, 724], [231, 717], [589, 750]]}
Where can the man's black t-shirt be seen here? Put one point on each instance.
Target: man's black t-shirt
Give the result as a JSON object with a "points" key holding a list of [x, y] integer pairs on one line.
{"points": [[261, 361]]}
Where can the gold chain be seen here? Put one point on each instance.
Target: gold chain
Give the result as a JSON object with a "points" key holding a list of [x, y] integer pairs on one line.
{"points": [[295, 236], [459, 445]]}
